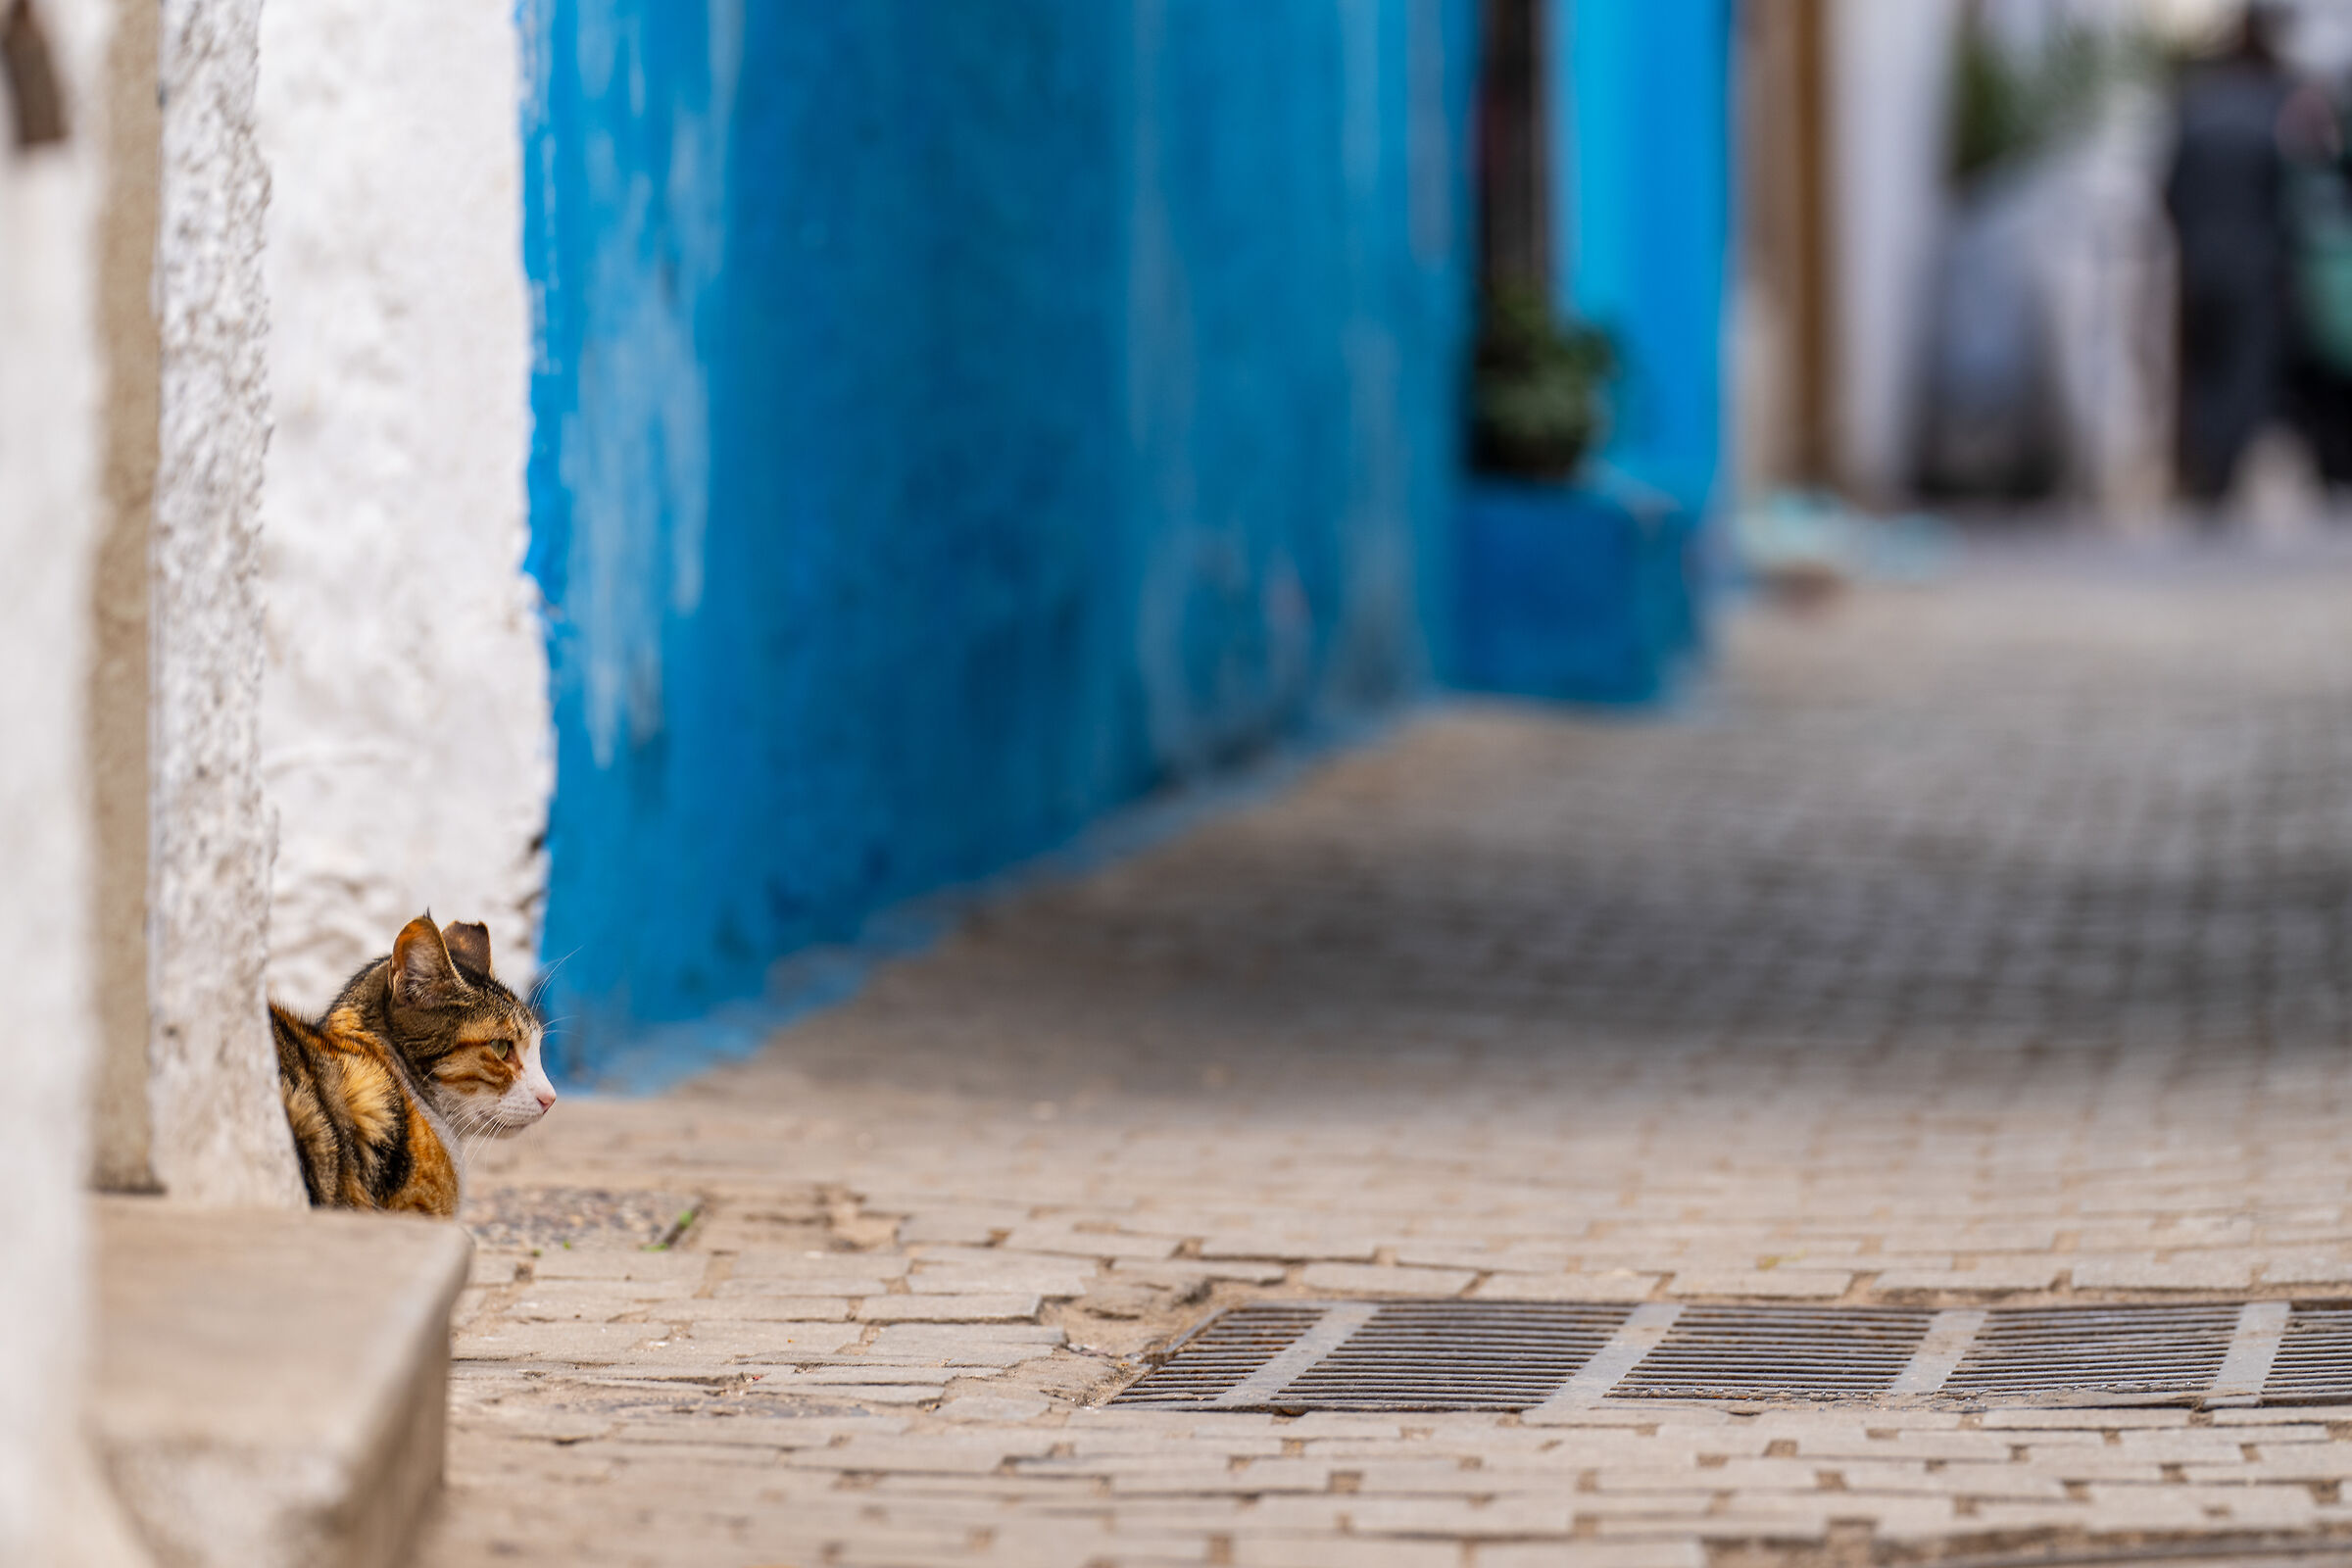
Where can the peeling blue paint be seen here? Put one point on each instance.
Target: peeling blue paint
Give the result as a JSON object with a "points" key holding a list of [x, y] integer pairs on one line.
{"points": [[953, 421]]}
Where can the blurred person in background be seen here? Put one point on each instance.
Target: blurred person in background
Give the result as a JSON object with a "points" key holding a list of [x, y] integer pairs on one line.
{"points": [[2228, 196]]}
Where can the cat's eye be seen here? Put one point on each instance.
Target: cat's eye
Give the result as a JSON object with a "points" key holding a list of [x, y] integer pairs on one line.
{"points": [[503, 1049]]}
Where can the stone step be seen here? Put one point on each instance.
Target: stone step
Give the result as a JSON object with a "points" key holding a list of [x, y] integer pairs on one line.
{"points": [[272, 1386]]}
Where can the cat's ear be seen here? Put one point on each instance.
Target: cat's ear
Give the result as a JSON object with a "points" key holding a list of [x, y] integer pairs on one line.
{"points": [[423, 975], [469, 941]]}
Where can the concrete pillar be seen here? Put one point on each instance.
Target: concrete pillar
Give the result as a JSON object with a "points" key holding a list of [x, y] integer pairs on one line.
{"points": [[404, 728], [53, 1508], [218, 1133]]}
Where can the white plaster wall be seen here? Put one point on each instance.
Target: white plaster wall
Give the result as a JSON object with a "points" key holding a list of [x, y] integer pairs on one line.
{"points": [[406, 734], [52, 1510], [217, 1132], [1890, 71]]}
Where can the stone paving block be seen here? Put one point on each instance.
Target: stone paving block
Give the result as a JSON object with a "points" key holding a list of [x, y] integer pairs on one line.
{"points": [[2180, 1272], [990, 1308], [1508, 1517], [994, 1408], [1481, 1260], [1181, 1271], [1908, 1445], [1291, 1246], [1807, 1283], [2036, 1420], [1010, 1276], [1612, 1287], [592, 1300], [2261, 1507], [1372, 1279], [1210, 1477], [2268, 1426], [828, 1392], [942, 1453], [495, 1268], [1390, 1476], [2300, 1416], [757, 1309], [918, 1341], [1590, 1554], [1137, 1548], [795, 1268], [2178, 1446], [1682, 1505], [1991, 1275], [2119, 1507], [770, 1341], [1962, 1480], [1041, 1238], [2301, 1461], [618, 1263], [976, 1224], [2329, 1268], [1316, 1551], [581, 1344]]}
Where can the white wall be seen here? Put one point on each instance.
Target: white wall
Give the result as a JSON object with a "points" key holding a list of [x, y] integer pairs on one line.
{"points": [[406, 734], [48, 408], [1890, 75], [52, 1510], [217, 1132]]}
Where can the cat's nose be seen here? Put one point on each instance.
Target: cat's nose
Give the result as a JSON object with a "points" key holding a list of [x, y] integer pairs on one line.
{"points": [[547, 1097]]}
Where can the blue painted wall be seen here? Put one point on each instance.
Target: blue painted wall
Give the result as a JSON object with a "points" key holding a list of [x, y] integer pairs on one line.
{"points": [[952, 421], [1641, 90]]}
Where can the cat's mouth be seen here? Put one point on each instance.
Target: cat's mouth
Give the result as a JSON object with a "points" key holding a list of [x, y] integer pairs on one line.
{"points": [[509, 1122]]}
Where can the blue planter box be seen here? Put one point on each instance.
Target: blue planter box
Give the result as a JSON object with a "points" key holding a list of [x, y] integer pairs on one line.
{"points": [[1573, 594]]}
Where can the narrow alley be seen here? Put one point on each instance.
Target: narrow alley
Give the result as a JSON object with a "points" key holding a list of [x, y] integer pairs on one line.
{"points": [[1985, 944]]}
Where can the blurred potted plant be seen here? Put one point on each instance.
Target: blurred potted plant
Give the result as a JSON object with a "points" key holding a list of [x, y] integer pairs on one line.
{"points": [[1539, 389]]}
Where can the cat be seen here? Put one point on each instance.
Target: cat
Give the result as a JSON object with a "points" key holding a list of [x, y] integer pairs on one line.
{"points": [[420, 1048]]}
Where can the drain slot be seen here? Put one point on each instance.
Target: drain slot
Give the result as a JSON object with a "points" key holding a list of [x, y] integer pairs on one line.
{"points": [[1745, 1353], [2313, 1364], [2069, 1355]]}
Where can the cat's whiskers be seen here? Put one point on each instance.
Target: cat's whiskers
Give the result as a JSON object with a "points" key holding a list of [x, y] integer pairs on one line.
{"points": [[547, 977]]}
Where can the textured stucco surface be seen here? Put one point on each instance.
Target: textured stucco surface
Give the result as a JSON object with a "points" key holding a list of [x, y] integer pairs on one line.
{"points": [[218, 1133], [952, 421], [404, 732], [116, 720], [52, 1510]]}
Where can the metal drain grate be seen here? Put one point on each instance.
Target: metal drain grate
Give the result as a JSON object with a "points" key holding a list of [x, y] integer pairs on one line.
{"points": [[1787, 1352], [1455, 1355], [1547, 1358], [2314, 1363], [1223, 1354], [2117, 1353]]}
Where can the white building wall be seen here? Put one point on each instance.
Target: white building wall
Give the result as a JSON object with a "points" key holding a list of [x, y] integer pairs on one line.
{"points": [[1891, 73], [217, 1131], [51, 1508], [406, 731]]}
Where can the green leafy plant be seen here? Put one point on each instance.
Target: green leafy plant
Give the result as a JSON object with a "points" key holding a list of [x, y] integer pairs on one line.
{"points": [[2007, 105], [1538, 388]]}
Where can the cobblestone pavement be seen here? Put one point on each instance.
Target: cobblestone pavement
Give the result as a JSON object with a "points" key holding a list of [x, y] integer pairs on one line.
{"points": [[1979, 944]]}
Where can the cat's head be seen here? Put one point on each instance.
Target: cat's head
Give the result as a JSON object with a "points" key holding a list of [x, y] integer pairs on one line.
{"points": [[474, 1041]]}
